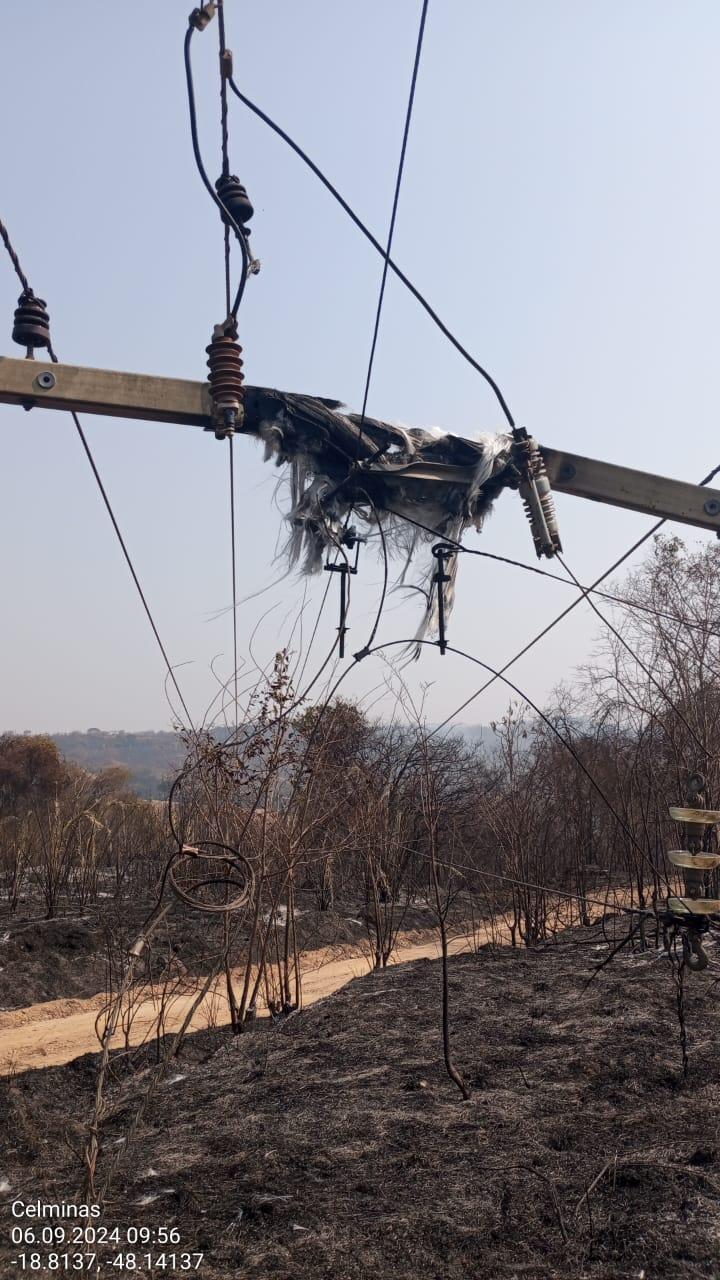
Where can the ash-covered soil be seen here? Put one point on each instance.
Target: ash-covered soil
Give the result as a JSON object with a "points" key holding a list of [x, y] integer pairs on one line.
{"points": [[334, 1147]]}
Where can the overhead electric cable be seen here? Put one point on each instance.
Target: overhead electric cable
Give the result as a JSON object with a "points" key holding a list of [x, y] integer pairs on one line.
{"points": [[655, 683], [498, 675], [128, 558], [88, 453], [12, 255], [551, 625], [623, 601], [393, 217], [224, 145], [376, 245], [225, 212], [234, 575]]}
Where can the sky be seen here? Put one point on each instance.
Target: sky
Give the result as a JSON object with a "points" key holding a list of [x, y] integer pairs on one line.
{"points": [[559, 209]]}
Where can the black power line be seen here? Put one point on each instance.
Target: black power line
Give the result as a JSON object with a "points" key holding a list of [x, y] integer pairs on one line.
{"points": [[88, 452], [654, 682], [393, 216], [225, 212], [12, 255], [376, 245], [551, 625], [624, 601]]}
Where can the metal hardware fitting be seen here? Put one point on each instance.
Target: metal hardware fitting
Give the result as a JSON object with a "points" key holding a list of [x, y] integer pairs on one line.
{"points": [[442, 552], [349, 539], [199, 18]]}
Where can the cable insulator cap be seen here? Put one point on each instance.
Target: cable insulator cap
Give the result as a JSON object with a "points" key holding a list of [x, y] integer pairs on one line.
{"points": [[31, 326], [236, 200]]}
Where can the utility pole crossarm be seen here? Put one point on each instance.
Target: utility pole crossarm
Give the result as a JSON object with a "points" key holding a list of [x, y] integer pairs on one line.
{"points": [[39, 384], [635, 490], [321, 429]]}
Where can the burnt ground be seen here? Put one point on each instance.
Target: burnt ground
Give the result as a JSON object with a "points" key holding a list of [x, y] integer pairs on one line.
{"points": [[67, 957], [334, 1147]]}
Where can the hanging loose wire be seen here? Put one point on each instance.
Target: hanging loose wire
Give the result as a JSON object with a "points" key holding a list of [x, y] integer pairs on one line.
{"points": [[103, 492], [224, 146], [234, 577]]}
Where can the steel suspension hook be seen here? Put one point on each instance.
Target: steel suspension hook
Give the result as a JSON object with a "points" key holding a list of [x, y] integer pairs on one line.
{"points": [[696, 957], [350, 539], [442, 552]]}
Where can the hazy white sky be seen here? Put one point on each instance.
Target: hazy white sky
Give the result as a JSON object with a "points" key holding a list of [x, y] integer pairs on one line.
{"points": [[560, 210]]}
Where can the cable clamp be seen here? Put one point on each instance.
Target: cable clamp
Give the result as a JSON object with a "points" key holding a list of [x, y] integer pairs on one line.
{"points": [[200, 18]]}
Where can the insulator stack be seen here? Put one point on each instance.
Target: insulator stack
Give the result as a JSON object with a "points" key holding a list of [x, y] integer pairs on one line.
{"points": [[547, 538], [535, 491], [31, 324], [236, 200], [226, 382], [694, 864]]}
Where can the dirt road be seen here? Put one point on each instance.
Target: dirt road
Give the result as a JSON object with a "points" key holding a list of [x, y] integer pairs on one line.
{"points": [[50, 1034]]}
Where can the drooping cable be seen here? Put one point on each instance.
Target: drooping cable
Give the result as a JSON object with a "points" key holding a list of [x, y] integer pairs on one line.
{"points": [[623, 601], [559, 617], [128, 558], [376, 245], [103, 492], [234, 576], [636, 658]]}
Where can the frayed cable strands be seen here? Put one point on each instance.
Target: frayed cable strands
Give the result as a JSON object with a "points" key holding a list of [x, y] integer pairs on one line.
{"points": [[386, 474]]}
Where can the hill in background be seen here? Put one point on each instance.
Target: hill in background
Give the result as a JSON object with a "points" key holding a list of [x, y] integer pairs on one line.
{"points": [[152, 756]]}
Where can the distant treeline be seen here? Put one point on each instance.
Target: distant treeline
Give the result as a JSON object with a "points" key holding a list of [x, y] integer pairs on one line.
{"points": [[150, 757]]}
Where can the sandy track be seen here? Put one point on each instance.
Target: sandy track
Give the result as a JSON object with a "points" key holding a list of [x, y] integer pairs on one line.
{"points": [[48, 1035], [56, 1032]]}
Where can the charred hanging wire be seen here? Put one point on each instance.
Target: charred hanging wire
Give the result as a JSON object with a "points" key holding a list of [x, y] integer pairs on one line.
{"points": [[350, 539], [442, 552]]}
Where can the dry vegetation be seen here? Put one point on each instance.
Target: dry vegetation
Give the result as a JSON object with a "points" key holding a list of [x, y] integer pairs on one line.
{"points": [[332, 1142]]}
